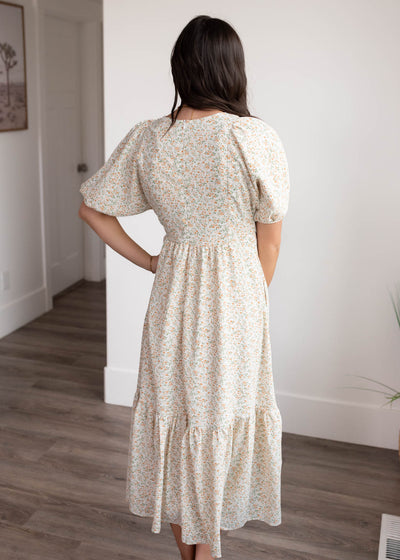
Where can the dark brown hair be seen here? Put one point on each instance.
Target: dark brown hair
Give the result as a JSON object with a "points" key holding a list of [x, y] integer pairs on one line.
{"points": [[208, 68]]}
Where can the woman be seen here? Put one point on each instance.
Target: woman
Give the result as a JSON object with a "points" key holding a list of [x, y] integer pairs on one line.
{"points": [[205, 441]]}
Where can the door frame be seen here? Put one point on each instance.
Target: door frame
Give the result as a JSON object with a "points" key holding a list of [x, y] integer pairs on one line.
{"points": [[89, 14]]}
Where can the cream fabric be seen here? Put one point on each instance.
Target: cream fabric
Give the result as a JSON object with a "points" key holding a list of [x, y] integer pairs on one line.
{"points": [[205, 440]]}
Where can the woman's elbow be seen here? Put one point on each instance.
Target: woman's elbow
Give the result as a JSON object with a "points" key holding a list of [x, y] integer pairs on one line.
{"points": [[83, 210]]}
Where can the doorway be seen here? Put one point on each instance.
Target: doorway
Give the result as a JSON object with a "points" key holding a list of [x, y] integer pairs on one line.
{"points": [[72, 138]]}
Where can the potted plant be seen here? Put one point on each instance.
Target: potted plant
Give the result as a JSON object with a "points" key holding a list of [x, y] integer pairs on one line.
{"points": [[390, 394]]}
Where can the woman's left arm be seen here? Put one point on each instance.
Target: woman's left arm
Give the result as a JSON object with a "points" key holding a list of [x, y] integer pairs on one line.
{"points": [[111, 232]]}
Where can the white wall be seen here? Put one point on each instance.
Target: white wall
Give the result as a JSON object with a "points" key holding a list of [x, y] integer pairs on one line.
{"points": [[326, 79]]}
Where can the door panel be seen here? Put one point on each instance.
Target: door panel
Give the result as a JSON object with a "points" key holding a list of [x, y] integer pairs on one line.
{"points": [[63, 150]]}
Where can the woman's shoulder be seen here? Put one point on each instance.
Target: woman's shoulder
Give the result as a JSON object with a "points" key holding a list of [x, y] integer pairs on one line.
{"points": [[135, 132], [255, 139], [140, 126], [252, 126]]}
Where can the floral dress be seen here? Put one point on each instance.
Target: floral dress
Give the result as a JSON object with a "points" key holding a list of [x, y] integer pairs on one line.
{"points": [[205, 439]]}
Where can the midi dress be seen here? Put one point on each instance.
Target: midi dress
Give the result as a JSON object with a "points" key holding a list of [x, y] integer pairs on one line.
{"points": [[206, 430]]}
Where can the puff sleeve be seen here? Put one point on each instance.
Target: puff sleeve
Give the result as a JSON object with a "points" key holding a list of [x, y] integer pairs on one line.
{"points": [[271, 177], [262, 154], [115, 189]]}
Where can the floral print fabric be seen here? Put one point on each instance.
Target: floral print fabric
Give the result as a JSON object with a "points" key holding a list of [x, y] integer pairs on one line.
{"points": [[205, 439]]}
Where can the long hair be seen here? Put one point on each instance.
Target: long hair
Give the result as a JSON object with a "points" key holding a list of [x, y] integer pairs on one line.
{"points": [[208, 68]]}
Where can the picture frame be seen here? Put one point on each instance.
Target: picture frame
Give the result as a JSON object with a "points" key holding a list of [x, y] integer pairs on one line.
{"points": [[13, 90]]}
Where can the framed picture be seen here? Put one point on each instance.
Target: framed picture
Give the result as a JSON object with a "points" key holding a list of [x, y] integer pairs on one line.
{"points": [[13, 101]]}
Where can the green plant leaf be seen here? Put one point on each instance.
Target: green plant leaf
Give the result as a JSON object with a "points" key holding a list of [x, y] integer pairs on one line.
{"points": [[373, 381], [396, 306], [366, 389]]}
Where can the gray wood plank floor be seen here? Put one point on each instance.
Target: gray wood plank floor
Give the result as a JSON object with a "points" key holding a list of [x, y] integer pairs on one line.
{"points": [[64, 457]]}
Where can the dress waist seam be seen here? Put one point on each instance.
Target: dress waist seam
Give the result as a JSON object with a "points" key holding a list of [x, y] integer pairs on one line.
{"points": [[223, 243]]}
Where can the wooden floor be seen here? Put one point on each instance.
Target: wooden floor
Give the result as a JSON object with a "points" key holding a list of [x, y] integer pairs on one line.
{"points": [[64, 457]]}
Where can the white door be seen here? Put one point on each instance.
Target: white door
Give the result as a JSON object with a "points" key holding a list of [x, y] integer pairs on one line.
{"points": [[63, 150]]}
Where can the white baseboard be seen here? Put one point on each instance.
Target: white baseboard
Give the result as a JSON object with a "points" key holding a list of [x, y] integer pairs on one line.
{"points": [[119, 386], [17, 313], [349, 422], [345, 421]]}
